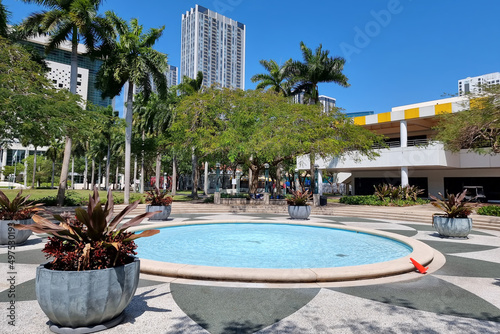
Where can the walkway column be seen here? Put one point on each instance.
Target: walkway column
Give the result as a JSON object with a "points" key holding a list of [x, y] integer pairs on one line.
{"points": [[403, 134], [205, 185], [404, 176], [4, 163]]}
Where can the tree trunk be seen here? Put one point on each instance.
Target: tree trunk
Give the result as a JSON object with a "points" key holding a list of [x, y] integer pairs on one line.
{"points": [[99, 176], [53, 171], [72, 172], [64, 171], [205, 180], [195, 176], [34, 171], [254, 181], [25, 176], [128, 142], [86, 174], [108, 163], [142, 164], [158, 170], [67, 146], [174, 175], [134, 187], [116, 174], [92, 181], [279, 188]]}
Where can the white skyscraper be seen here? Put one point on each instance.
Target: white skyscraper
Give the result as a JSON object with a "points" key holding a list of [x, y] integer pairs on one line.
{"points": [[473, 85], [172, 76], [215, 45]]}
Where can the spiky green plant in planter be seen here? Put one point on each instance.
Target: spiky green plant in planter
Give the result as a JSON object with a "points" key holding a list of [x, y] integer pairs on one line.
{"points": [[18, 211], [455, 221], [93, 255], [159, 200], [297, 204]]}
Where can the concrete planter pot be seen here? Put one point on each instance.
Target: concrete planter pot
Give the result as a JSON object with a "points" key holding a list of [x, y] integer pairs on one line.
{"points": [[299, 211], [12, 236], [163, 215], [89, 300], [452, 227]]}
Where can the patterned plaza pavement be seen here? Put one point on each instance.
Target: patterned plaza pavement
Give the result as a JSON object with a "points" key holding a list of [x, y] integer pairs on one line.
{"points": [[459, 294]]}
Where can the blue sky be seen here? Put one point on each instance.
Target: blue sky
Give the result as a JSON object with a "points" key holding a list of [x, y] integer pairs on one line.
{"points": [[398, 51]]}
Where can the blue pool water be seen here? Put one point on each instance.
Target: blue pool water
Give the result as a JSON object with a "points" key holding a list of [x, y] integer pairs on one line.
{"points": [[246, 245]]}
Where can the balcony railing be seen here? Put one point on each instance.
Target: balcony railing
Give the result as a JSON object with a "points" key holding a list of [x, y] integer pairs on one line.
{"points": [[410, 142]]}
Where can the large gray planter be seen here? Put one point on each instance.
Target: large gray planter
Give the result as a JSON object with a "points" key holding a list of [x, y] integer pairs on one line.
{"points": [[452, 227], [299, 211], [88, 298], [12, 236], [163, 215]]}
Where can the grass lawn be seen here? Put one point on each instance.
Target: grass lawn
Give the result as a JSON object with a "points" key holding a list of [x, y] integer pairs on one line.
{"points": [[81, 196]]}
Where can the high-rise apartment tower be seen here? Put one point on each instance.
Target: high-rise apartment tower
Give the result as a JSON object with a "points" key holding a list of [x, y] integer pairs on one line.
{"points": [[215, 45], [475, 84]]}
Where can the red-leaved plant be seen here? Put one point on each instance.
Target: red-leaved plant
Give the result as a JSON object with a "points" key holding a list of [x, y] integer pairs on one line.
{"points": [[17, 209], [298, 198], [91, 239], [453, 206], [157, 197]]}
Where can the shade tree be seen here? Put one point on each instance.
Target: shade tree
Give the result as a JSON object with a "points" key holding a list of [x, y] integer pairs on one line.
{"points": [[255, 127]]}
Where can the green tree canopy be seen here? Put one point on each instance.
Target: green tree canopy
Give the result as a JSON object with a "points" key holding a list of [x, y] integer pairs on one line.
{"points": [[256, 127], [477, 128]]}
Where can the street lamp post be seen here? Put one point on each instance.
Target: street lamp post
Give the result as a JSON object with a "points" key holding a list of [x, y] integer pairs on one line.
{"points": [[316, 183], [316, 197], [217, 176], [217, 189], [266, 192]]}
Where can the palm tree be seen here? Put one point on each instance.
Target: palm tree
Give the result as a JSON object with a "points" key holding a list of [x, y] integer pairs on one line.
{"points": [[190, 86], [278, 79], [4, 20], [131, 60], [317, 67], [154, 119], [74, 20]]}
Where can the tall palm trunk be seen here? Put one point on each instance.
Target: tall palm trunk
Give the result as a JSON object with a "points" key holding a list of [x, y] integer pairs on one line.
{"points": [[108, 162], [142, 163], [116, 174], [64, 171], [128, 142], [174, 175], [158, 170], [92, 181], [34, 171], [67, 146], [86, 174], [72, 172], [135, 174], [99, 177]]}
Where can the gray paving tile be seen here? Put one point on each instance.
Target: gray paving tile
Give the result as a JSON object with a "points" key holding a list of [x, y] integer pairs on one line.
{"points": [[460, 266], [406, 233], [27, 257], [447, 247], [429, 294], [238, 310]]}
